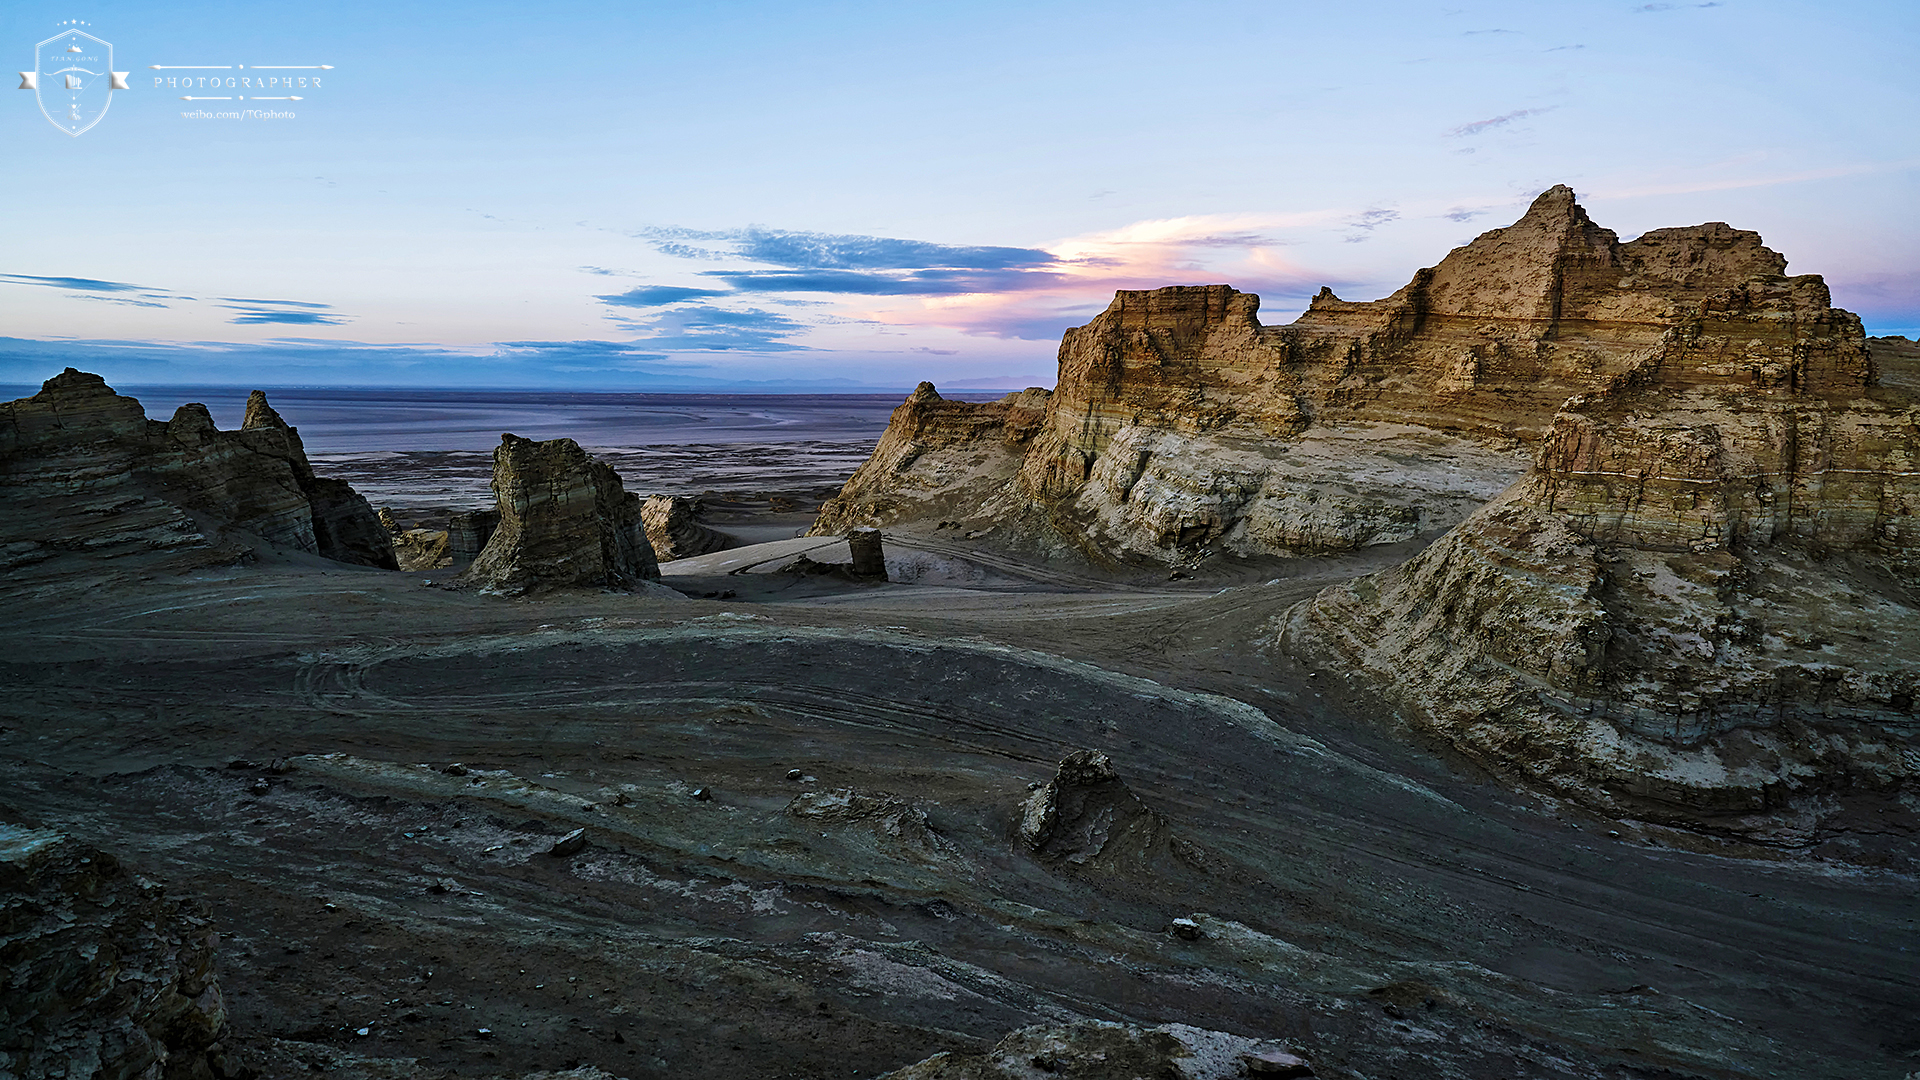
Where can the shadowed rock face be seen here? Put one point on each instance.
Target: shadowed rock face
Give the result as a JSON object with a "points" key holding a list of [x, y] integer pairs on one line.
{"points": [[1087, 817], [104, 974], [673, 530], [78, 437], [1180, 425], [565, 520]]}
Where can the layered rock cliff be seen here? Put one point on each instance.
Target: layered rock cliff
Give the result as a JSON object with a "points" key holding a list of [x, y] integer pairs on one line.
{"points": [[76, 437], [1180, 424], [565, 519], [1701, 602]]}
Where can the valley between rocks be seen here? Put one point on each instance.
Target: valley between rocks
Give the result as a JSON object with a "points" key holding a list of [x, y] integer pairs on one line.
{"points": [[1363, 898]]}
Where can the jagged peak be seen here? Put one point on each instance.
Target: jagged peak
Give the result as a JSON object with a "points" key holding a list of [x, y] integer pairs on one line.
{"points": [[260, 414]]}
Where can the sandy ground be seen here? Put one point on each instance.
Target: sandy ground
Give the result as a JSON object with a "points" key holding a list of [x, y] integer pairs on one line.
{"points": [[1386, 909]]}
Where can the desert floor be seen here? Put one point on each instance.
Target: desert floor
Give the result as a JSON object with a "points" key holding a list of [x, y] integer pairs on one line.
{"points": [[275, 737]]}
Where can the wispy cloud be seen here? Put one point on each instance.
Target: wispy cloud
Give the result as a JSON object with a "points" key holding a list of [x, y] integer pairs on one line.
{"points": [[75, 284], [289, 318], [707, 329], [1478, 126], [286, 312], [829, 251], [647, 296]]}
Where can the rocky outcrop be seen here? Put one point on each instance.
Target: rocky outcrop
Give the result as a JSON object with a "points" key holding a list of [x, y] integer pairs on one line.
{"points": [[565, 520], [1181, 425], [468, 532], [101, 973], [78, 437], [1103, 1050], [674, 529], [1701, 602], [1087, 817], [937, 458]]}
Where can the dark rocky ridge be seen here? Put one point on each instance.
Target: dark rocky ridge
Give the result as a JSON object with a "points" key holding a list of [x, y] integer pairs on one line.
{"points": [[77, 438]]}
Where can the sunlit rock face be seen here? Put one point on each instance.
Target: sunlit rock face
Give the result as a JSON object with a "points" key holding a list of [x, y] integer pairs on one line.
{"points": [[1700, 603], [1180, 425], [77, 437], [565, 520]]}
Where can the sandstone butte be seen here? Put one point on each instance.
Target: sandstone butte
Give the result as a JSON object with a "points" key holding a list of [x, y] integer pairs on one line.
{"points": [[1677, 489], [88, 458]]}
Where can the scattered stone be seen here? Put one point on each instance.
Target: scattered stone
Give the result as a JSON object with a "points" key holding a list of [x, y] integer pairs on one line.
{"points": [[279, 766], [260, 787], [241, 763], [571, 844], [1186, 929], [702, 794], [1276, 1062], [455, 769], [794, 774]]}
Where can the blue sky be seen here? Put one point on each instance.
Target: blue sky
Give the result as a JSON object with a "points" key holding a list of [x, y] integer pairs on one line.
{"points": [[662, 196]]}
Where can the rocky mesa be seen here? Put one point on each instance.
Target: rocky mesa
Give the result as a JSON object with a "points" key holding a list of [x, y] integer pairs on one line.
{"points": [[1180, 424]]}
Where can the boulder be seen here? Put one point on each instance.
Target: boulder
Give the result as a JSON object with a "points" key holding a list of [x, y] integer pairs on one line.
{"points": [[1086, 816], [565, 520]]}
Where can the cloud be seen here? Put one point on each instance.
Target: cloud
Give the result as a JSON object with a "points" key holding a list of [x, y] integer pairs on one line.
{"points": [[717, 329], [290, 318], [657, 296], [831, 251], [1462, 214], [1478, 126], [78, 284], [941, 282], [276, 303], [288, 312]]}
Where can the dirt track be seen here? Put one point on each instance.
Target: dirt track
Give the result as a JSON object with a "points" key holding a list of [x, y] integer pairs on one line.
{"points": [[1391, 912]]}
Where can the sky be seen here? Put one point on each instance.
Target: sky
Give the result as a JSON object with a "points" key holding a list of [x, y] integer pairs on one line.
{"points": [[818, 196]]}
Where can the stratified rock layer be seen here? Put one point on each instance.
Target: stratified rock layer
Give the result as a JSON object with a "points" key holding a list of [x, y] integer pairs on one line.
{"points": [[1701, 603], [101, 973], [76, 437], [1179, 424], [565, 519]]}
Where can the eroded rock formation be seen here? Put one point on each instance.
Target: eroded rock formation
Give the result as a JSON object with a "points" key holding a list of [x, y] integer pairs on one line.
{"points": [[674, 529], [1086, 816], [76, 437], [1180, 424], [1701, 603], [565, 519], [101, 973]]}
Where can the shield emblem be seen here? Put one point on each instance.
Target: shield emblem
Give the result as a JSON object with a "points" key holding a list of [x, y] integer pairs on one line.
{"points": [[74, 79]]}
